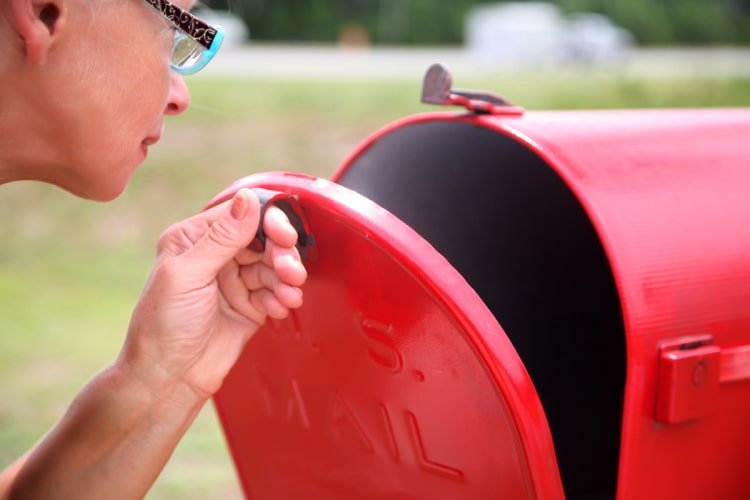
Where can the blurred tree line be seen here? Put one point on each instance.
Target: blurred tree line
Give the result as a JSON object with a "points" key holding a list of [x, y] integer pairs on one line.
{"points": [[434, 22]]}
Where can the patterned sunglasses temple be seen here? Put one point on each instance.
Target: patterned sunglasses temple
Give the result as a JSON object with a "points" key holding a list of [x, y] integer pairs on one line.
{"points": [[185, 21]]}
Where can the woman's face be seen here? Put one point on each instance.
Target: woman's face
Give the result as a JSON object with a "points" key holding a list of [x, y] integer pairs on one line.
{"points": [[110, 86]]}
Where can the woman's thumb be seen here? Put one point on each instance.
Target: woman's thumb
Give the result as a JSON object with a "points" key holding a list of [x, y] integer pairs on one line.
{"points": [[233, 230]]}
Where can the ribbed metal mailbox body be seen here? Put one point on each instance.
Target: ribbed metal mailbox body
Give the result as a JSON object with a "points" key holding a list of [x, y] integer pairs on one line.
{"points": [[513, 307]]}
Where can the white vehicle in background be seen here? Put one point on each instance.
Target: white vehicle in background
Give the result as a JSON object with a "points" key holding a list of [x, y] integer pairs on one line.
{"points": [[539, 34], [593, 38], [515, 33]]}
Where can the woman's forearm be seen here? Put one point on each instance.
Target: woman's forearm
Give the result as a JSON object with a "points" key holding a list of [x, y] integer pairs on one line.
{"points": [[112, 443]]}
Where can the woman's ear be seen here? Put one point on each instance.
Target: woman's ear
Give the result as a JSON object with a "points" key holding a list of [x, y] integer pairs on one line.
{"points": [[38, 23]]}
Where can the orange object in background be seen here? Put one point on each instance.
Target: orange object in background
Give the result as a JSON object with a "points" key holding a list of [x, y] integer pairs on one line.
{"points": [[354, 36]]}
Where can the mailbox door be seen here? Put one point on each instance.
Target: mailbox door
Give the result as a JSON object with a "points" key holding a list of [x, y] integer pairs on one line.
{"points": [[393, 380]]}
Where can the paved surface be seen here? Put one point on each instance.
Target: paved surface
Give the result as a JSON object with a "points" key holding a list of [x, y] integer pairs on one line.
{"points": [[306, 61]]}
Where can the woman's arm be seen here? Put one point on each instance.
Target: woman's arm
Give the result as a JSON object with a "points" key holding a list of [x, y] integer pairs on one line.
{"points": [[206, 296], [112, 443]]}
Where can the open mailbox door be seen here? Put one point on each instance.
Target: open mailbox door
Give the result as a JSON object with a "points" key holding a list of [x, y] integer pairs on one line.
{"points": [[393, 380]]}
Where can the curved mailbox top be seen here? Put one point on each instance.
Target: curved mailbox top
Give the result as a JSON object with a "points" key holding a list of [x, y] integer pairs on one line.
{"points": [[668, 192], [393, 379]]}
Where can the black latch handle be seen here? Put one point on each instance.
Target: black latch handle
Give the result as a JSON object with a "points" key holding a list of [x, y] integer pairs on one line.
{"points": [[289, 204]]}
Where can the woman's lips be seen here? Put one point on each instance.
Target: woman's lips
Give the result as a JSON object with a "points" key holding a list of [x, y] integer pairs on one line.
{"points": [[149, 141], [154, 136], [152, 139]]}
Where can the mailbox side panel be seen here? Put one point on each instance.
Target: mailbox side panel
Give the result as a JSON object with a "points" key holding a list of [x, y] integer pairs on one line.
{"points": [[669, 194]]}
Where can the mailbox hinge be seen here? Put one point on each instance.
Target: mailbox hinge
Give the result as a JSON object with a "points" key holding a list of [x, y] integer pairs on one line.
{"points": [[690, 373], [437, 89]]}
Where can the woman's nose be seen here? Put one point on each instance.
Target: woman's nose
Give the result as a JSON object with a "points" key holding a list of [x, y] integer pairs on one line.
{"points": [[179, 96]]}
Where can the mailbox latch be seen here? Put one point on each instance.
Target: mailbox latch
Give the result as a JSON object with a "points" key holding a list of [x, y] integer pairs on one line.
{"points": [[289, 204], [437, 89], [689, 378], [691, 371]]}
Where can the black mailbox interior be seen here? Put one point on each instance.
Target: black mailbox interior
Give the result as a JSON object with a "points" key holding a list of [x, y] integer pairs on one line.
{"points": [[509, 224]]}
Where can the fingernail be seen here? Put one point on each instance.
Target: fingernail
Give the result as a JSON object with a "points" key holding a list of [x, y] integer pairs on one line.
{"points": [[302, 268], [239, 207], [287, 260], [299, 267]]}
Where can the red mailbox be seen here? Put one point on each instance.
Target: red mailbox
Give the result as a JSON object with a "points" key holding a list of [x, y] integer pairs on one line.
{"points": [[511, 305]]}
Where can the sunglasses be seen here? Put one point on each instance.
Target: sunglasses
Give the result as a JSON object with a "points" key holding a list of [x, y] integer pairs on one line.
{"points": [[195, 42]]}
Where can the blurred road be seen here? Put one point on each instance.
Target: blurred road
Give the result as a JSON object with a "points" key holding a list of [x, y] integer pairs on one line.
{"points": [[326, 62]]}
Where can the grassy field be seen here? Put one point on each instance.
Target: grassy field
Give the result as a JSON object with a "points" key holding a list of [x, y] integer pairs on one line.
{"points": [[71, 270]]}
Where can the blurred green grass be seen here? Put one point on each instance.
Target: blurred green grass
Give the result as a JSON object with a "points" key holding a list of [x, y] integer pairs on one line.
{"points": [[71, 270]]}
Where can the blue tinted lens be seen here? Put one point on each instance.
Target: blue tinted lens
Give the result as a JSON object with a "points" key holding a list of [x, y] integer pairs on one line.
{"points": [[188, 56]]}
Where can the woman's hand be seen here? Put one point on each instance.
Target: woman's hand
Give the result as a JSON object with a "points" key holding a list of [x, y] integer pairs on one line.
{"points": [[207, 294]]}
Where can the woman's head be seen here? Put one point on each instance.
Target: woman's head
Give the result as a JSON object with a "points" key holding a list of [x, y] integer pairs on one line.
{"points": [[86, 85]]}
